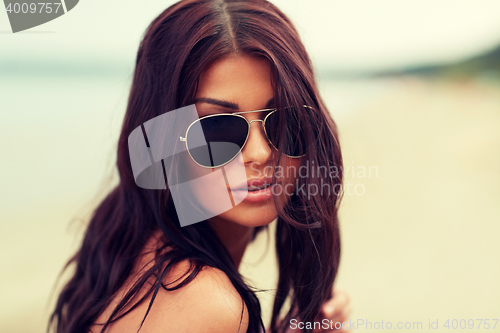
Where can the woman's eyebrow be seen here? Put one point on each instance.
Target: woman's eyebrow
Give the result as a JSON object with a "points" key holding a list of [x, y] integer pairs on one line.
{"points": [[226, 104], [223, 103]]}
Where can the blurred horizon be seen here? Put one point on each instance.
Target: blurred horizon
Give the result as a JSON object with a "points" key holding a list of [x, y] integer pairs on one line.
{"points": [[347, 38]]}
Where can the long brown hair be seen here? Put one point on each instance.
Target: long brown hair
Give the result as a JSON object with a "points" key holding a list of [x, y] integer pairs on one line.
{"points": [[176, 47]]}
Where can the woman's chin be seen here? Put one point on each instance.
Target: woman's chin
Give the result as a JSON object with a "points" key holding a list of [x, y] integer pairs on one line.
{"points": [[251, 216]]}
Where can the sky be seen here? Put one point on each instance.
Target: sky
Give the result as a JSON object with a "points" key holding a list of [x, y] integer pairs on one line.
{"points": [[339, 35]]}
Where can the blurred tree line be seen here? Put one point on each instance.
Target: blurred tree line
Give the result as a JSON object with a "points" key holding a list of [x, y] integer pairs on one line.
{"points": [[486, 65]]}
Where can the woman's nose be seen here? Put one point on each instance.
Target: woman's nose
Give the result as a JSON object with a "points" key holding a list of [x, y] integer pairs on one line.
{"points": [[256, 149]]}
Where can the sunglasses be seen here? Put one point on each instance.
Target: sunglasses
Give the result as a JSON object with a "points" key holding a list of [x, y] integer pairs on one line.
{"points": [[215, 140]]}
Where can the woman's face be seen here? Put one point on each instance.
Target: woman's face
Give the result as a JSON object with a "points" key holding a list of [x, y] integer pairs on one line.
{"points": [[245, 82]]}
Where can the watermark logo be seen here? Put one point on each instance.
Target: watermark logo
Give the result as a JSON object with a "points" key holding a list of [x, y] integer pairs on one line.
{"points": [[158, 158], [165, 155], [26, 14]]}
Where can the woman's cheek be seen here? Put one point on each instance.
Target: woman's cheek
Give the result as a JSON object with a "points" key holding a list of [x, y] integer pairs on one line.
{"points": [[288, 178], [210, 187]]}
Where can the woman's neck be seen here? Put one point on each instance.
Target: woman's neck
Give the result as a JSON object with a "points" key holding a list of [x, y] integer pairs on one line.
{"points": [[235, 237]]}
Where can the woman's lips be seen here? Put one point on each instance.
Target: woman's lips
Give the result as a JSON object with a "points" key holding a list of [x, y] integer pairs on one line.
{"points": [[258, 195], [245, 194]]}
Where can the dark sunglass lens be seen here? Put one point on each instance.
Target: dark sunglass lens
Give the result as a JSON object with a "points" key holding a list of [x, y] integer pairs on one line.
{"points": [[291, 137], [216, 140]]}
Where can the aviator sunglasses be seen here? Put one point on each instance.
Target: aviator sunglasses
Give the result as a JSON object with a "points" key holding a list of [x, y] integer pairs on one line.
{"points": [[215, 140]]}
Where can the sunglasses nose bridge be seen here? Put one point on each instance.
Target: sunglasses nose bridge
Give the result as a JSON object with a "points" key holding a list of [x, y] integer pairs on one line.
{"points": [[251, 121], [262, 121], [253, 154]]}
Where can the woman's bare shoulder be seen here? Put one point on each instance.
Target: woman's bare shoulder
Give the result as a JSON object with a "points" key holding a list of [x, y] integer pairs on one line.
{"points": [[209, 303]]}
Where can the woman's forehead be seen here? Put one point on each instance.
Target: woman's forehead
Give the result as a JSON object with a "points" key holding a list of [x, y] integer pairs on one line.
{"points": [[240, 82]]}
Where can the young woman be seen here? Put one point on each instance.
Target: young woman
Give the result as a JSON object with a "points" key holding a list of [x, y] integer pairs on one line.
{"points": [[242, 68]]}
